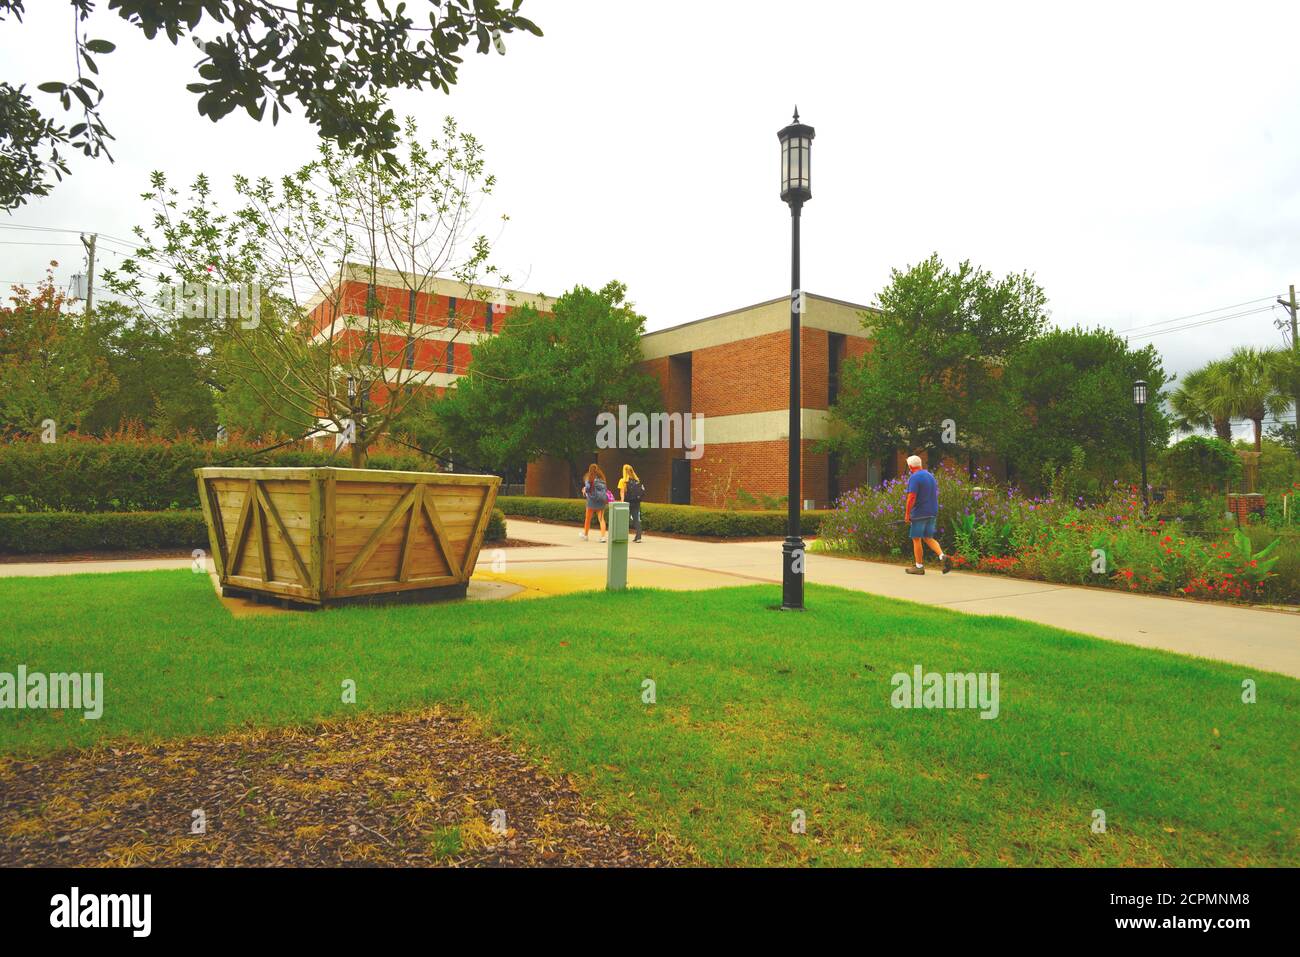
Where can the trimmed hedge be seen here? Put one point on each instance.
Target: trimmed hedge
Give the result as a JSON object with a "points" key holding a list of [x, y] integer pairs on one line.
{"points": [[675, 519], [141, 474], [32, 533], [37, 533]]}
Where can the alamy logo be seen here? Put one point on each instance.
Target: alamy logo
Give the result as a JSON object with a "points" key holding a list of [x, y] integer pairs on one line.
{"points": [[103, 910], [658, 430], [57, 691], [931, 689], [209, 300]]}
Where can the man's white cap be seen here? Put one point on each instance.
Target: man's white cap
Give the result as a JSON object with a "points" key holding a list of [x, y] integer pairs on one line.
{"points": [[914, 461]]}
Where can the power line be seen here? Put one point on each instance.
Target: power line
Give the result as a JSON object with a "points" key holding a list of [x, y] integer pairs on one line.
{"points": [[1197, 315], [1203, 322], [17, 242]]}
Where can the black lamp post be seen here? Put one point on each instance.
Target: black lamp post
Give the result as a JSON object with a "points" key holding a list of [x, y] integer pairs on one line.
{"points": [[796, 189], [1140, 400]]}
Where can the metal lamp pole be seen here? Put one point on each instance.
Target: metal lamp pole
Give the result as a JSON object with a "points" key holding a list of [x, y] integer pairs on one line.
{"points": [[796, 189], [1140, 400]]}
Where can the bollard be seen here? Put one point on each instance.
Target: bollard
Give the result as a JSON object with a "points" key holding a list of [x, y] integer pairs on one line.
{"points": [[616, 556]]}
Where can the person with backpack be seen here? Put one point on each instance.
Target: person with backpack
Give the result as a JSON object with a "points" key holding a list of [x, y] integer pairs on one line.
{"points": [[598, 497], [631, 490]]}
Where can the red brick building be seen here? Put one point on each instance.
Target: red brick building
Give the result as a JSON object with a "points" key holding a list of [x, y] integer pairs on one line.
{"points": [[428, 329], [732, 369]]}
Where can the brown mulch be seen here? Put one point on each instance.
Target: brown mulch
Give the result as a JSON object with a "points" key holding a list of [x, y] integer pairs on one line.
{"points": [[413, 789]]}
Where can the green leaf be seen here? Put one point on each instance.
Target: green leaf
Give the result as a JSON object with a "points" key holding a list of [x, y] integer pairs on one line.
{"points": [[100, 46]]}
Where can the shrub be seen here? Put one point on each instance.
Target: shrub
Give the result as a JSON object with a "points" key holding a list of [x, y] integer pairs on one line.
{"points": [[496, 527], [1198, 466], [673, 519], [33, 533], [1000, 530], [130, 473], [976, 517]]}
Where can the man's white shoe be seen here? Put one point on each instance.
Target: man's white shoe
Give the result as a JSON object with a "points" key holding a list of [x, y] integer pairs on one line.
{"points": [[602, 538], [583, 536]]}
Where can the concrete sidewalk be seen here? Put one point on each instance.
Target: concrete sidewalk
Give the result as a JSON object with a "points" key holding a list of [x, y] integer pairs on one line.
{"points": [[1259, 638]]}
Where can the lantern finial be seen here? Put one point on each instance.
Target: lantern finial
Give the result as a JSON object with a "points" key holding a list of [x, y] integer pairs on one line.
{"points": [[796, 113]]}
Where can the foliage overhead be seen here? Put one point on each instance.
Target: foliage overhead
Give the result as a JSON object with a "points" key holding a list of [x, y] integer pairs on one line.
{"points": [[335, 60]]}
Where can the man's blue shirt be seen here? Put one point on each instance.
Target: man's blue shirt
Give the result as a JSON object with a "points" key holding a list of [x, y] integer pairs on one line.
{"points": [[927, 494]]}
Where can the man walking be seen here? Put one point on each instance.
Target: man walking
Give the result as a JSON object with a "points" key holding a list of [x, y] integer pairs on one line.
{"points": [[922, 512]]}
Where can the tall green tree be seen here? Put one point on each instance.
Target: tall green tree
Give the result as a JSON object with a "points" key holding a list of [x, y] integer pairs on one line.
{"points": [[932, 377], [1197, 403], [52, 371], [335, 61], [1251, 383], [1072, 388], [536, 388], [160, 376]]}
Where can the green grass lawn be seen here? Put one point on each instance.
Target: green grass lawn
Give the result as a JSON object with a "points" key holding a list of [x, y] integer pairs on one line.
{"points": [[758, 713]]}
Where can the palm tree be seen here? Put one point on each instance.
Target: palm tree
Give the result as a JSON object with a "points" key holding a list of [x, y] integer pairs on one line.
{"points": [[1197, 404], [1249, 383]]}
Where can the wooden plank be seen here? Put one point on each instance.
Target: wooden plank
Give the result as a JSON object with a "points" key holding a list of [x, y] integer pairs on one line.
{"points": [[330, 567], [408, 544], [476, 543], [440, 536], [259, 523], [380, 587], [368, 549], [242, 525], [316, 543], [212, 519], [268, 507]]}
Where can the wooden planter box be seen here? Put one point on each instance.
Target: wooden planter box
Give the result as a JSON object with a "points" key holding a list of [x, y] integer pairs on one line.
{"points": [[324, 536]]}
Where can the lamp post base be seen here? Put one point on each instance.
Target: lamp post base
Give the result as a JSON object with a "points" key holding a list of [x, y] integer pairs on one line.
{"points": [[792, 565]]}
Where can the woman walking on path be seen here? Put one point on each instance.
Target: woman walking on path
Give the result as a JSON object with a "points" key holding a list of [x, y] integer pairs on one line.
{"points": [[598, 497], [631, 490]]}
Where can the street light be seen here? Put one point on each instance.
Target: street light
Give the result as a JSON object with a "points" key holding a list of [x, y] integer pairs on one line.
{"points": [[796, 189], [1140, 400]]}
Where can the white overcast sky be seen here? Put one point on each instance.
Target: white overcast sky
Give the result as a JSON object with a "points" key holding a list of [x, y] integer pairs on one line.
{"points": [[1143, 160]]}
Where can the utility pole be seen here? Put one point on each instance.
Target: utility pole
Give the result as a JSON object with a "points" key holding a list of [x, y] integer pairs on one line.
{"points": [[1295, 353], [90, 271]]}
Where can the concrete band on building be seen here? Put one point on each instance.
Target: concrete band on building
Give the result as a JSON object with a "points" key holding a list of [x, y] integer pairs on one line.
{"points": [[732, 369]]}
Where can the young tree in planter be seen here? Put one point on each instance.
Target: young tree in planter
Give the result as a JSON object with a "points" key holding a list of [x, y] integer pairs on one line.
{"points": [[932, 374], [536, 388], [51, 367], [301, 243]]}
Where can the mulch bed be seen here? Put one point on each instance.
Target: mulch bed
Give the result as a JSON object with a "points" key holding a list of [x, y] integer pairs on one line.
{"points": [[412, 789]]}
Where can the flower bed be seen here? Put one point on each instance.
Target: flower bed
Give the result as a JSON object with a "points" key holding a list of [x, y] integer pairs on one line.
{"points": [[993, 528]]}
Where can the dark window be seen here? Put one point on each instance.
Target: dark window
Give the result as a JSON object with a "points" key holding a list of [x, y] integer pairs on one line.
{"points": [[835, 348], [832, 477], [451, 311], [451, 359], [410, 352], [487, 320]]}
